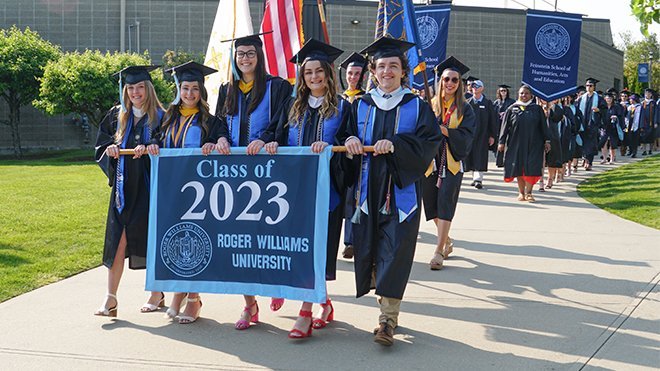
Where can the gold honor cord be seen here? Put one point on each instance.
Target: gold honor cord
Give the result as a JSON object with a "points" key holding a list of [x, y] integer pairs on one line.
{"points": [[335, 149]]}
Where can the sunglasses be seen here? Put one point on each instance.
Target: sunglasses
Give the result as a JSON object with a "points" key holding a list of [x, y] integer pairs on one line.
{"points": [[588, 85], [452, 79]]}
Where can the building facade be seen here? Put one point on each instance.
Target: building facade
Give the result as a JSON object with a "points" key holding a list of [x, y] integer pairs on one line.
{"points": [[489, 40]]}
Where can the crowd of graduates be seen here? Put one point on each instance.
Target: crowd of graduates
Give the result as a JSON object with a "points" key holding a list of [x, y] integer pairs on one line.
{"points": [[421, 149]]}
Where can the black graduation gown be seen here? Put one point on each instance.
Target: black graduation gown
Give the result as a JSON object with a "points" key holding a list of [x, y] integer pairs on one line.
{"points": [[500, 107], [485, 127], [134, 216], [575, 150], [335, 217], [646, 122], [280, 91], [592, 124], [379, 240], [349, 205], [554, 157], [567, 135], [610, 125], [524, 132], [215, 128], [441, 202]]}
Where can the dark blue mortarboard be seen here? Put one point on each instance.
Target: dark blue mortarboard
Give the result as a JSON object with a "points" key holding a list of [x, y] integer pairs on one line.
{"points": [[453, 64], [315, 50], [355, 59], [385, 47], [191, 71]]}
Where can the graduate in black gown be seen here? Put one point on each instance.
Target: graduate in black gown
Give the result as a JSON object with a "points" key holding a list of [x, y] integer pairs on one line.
{"points": [[554, 158], [569, 134], [503, 102], [485, 132], [524, 139], [128, 125], [188, 124], [403, 130], [312, 118], [356, 67], [613, 124], [457, 122], [250, 104], [590, 106], [647, 122]]}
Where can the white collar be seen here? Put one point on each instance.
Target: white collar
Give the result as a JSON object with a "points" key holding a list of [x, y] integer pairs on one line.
{"points": [[315, 102], [389, 103], [138, 113]]}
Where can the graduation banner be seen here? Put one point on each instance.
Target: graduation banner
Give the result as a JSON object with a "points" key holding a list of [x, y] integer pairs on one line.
{"points": [[433, 26], [643, 72], [239, 224], [552, 53]]}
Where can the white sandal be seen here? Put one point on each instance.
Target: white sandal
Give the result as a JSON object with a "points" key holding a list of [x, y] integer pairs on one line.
{"points": [[148, 307], [108, 312], [171, 313], [449, 247], [436, 262], [184, 320]]}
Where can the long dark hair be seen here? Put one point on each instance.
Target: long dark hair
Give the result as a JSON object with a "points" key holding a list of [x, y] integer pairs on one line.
{"points": [[330, 103], [172, 113], [258, 89]]}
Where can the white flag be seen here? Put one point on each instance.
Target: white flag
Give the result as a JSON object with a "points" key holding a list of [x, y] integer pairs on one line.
{"points": [[232, 20]]}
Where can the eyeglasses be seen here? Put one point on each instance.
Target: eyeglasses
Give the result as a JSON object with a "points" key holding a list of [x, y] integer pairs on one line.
{"points": [[588, 85], [251, 54], [452, 79]]}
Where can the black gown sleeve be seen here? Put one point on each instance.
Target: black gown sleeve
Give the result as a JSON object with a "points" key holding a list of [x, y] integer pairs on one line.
{"points": [[460, 139], [280, 95], [506, 126], [493, 118], [413, 152], [222, 96], [281, 134], [104, 138], [214, 125]]}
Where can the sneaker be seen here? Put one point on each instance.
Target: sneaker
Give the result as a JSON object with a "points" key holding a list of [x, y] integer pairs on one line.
{"points": [[478, 185]]}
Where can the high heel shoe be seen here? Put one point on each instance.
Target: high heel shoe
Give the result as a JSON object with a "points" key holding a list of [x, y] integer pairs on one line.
{"points": [[276, 304], [148, 307], [108, 312], [171, 312], [185, 320], [243, 323], [319, 323], [297, 334]]}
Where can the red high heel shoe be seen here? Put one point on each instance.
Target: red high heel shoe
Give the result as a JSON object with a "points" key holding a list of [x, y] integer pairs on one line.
{"points": [[243, 324], [276, 304], [319, 323], [297, 334]]}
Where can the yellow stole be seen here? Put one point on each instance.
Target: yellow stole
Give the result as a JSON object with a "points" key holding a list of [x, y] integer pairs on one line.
{"points": [[245, 86], [454, 121], [351, 93]]}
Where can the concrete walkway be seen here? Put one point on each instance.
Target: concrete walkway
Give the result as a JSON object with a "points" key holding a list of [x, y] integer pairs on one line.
{"points": [[558, 284]]}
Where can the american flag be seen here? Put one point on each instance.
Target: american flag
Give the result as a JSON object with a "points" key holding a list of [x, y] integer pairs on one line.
{"points": [[284, 18]]}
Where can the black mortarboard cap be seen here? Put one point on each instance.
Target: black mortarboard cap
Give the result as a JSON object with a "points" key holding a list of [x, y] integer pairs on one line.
{"points": [[135, 74], [471, 78], [591, 80], [649, 90], [580, 88], [355, 59], [386, 47], [452, 64], [191, 71], [504, 86], [612, 90], [253, 40], [316, 50]]}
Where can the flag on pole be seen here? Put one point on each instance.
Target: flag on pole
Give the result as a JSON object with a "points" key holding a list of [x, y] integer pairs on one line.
{"points": [[284, 18], [232, 20], [396, 19]]}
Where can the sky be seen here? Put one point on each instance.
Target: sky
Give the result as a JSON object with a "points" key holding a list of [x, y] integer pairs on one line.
{"points": [[617, 11]]}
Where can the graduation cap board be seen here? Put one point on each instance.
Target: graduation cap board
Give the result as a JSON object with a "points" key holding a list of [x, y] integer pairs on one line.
{"points": [[591, 80], [453, 64], [253, 40], [386, 47], [189, 71], [132, 75], [315, 50], [504, 86], [355, 59]]}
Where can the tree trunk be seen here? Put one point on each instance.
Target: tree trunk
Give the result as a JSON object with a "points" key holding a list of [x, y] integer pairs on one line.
{"points": [[14, 121]]}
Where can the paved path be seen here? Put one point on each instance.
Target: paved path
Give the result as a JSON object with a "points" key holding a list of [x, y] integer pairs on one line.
{"points": [[558, 284]]}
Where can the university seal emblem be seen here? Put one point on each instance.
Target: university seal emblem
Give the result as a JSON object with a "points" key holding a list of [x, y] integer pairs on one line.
{"points": [[428, 30], [552, 41], [186, 249]]}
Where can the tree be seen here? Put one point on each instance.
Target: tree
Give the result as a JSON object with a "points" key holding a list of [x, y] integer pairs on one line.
{"points": [[636, 52], [82, 83], [647, 12], [23, 55], [173, 58]]}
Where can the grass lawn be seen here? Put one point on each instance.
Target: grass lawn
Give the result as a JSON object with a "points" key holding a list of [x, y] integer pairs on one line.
{"points": [[52, 219], [631, 191]]}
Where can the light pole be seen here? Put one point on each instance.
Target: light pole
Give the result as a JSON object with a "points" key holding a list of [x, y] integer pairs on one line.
{"points": [[650, 69]]}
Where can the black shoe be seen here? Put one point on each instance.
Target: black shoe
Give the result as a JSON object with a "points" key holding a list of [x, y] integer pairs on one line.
{"points": [[644, 153], [473, 183], [650, 153], [348, 252], [478, 185], [633, 156], [384, 335]]}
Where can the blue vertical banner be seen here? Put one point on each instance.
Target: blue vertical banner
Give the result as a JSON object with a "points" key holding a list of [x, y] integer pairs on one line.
{"points": [[433, 26], [396, 20], [239, 224], [552, 53], [643, 72]]}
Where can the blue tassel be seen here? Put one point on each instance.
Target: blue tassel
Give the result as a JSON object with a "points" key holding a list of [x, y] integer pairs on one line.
{"points": [[121, 95], [177, 99], [356, 216]]}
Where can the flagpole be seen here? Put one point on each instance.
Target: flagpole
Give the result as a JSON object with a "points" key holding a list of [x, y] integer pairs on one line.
{"points": [[323, 22]]}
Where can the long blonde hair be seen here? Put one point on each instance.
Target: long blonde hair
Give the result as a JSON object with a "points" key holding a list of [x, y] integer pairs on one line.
{"points": [[459, 97], [150, 107], [330, 101]]}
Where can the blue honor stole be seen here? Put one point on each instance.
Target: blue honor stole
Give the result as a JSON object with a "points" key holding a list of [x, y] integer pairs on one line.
{"points": [[120, 175], [328, 129], [258, 120], [191, 136], [407, 114]]}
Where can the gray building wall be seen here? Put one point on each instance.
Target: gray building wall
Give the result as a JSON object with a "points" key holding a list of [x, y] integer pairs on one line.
{"points": [[490, 41]]}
